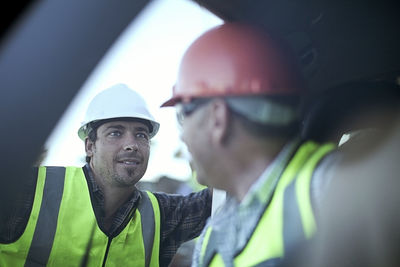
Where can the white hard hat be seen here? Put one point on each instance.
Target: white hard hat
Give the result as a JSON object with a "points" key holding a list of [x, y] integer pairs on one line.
{"points": [[118, 101]]}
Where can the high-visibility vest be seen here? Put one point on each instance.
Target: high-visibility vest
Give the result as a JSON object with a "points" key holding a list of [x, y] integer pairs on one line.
{"points": [[62, 229], [288, 217]]}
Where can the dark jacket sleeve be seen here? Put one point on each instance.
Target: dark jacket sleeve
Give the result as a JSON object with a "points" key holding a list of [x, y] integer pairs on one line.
{"points": [[16, 207], [182, 219]]}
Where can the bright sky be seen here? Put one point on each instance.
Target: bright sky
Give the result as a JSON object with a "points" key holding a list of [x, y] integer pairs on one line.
{"points": [[146, 58]]}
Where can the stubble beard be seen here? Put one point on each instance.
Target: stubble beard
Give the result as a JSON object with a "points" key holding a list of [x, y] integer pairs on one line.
{"points": [[127, 180]]}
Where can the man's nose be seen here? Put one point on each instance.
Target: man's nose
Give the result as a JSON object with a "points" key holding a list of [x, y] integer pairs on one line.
{"points": [[131, 144], [131, 147]]}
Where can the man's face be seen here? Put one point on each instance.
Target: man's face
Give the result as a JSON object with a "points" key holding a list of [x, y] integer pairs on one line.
{"points": [[120, 154], [194, 134]]}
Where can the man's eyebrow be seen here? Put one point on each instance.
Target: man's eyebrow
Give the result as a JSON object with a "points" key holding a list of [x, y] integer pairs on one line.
{"points": [[116, 126], [142, 129], [121, 127]]}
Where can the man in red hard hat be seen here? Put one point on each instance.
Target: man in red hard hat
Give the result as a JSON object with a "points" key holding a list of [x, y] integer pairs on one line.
{"points": [[237, 97]]}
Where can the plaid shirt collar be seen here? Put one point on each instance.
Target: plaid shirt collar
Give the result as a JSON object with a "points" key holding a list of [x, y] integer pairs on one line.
{"points": [[264, 187]]}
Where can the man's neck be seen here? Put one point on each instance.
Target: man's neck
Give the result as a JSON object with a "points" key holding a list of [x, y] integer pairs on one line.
{"points": [[252, 161], [114, 196], [244, 175]]}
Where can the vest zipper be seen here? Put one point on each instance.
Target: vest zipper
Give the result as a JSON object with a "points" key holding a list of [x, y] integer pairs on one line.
{"points": [[107, 249]]}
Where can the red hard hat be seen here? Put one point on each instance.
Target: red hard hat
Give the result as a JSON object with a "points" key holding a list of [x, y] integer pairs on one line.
{"points": [[236, 59]]}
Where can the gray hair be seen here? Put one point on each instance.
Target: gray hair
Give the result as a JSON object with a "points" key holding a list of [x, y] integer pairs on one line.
{"points": [[269, 111]]}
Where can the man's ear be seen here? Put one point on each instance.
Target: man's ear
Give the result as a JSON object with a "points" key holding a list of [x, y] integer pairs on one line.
{"points": [[89, 146], [219, 119]]}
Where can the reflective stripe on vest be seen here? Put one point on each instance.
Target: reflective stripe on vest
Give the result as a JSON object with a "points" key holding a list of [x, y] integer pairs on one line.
{"points": [[148, 229], [62, 228], [288, 218], [47, 222]]}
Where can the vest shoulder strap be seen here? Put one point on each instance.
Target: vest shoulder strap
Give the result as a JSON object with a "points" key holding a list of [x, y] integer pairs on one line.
{"points": [[299, 222], [147, 217], [46, 225]]}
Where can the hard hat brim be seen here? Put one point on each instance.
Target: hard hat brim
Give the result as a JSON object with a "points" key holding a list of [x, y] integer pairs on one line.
{"points": [[171, 102], [82, 131]]}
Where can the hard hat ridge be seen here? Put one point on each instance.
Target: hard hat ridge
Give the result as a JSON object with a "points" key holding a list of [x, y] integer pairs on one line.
{"points": [[118, 101]]}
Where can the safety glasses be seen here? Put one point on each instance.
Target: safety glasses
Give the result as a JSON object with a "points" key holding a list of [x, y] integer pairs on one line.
{"points": [[185, 109]]}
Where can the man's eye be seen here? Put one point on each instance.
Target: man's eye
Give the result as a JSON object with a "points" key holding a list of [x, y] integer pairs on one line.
{"points": [[115, 133], [142, 135]]}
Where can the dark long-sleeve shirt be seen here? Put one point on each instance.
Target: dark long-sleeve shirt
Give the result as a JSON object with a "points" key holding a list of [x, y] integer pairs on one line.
{"points": [[182, 217]]}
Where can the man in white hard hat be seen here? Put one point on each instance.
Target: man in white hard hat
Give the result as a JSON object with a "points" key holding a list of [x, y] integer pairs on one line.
{"points": [[94, 215]]}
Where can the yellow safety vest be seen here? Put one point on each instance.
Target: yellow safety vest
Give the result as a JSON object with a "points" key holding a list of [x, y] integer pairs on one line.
{"points": [[62, 229], [288, 217]]}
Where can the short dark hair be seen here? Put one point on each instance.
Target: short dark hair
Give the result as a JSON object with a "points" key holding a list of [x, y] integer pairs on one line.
{"points": [[92, 134]]}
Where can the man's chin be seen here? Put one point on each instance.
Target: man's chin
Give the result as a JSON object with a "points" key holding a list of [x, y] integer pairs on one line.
{"points": [[129, 179], [127, 182]]}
